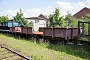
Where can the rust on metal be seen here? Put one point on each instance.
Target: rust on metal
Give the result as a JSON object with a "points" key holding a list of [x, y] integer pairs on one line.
{"points": [[37, 33], [17, 29]]}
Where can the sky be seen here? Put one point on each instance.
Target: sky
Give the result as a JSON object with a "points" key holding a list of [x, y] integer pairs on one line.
{"points": [[33, 8]]}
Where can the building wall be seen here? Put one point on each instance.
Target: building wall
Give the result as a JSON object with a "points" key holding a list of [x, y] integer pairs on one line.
{"points": [[42, 16], [37, 24], [82, 13]]}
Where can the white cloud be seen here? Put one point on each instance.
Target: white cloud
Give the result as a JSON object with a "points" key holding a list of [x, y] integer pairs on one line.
{"points": [[12, 12], [30, 12], [9, 13], [64, 7], [27, 13], [80, 4], [48, 10], [88, 1], [72, 8], [62, 13], [1, 13], [36, 12]]}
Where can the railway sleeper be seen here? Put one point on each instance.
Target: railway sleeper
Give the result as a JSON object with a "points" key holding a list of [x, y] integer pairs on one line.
{"points": [[7, 57], [15, 53]]}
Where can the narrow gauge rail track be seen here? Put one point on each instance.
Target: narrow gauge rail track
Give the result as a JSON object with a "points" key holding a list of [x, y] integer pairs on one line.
{"points": [[7, 54]]}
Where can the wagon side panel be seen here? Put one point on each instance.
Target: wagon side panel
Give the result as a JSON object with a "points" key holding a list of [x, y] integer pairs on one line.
{"points": [[48, 32], [29, 30], [59, 32]]}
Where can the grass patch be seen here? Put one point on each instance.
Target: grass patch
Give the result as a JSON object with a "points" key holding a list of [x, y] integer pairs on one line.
{"points": [[44, 51]]}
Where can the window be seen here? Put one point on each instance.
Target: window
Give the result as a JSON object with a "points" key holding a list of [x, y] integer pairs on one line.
{"points": [[36, 21]]}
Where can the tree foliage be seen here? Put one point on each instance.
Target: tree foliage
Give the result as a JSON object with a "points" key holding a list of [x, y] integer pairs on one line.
{"points": [[74, 23], [30, 24], [20, 18], [85, 19], [3, 18], [55, 20], [69, 19]]}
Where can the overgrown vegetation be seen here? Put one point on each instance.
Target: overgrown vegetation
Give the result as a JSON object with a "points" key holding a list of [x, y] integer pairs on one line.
{"points": [[20, 18], [30, 24], [44, 51], [3, 18], [55, 20], [86, 19], [71, 21]]}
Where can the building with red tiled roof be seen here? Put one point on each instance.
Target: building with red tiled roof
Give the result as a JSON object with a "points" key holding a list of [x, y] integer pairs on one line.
{"points": [[44, 17], [82, 13]]}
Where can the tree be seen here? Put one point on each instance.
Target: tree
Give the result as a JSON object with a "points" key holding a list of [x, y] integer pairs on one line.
{"points": [[55, 20], [20, 18], [74, 23], [86, 19], [69, 19], [3, 18], [30, 24]]}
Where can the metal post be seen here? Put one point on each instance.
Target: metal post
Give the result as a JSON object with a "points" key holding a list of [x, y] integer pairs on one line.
{"points": [[78, 27], [83, 28], [88, 28]]}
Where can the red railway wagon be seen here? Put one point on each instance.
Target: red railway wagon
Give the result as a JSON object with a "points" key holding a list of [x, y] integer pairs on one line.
{"points": [[29, 30], [11, 29], [67, 33], [22, 30], [50, 33], [15, 29]]}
